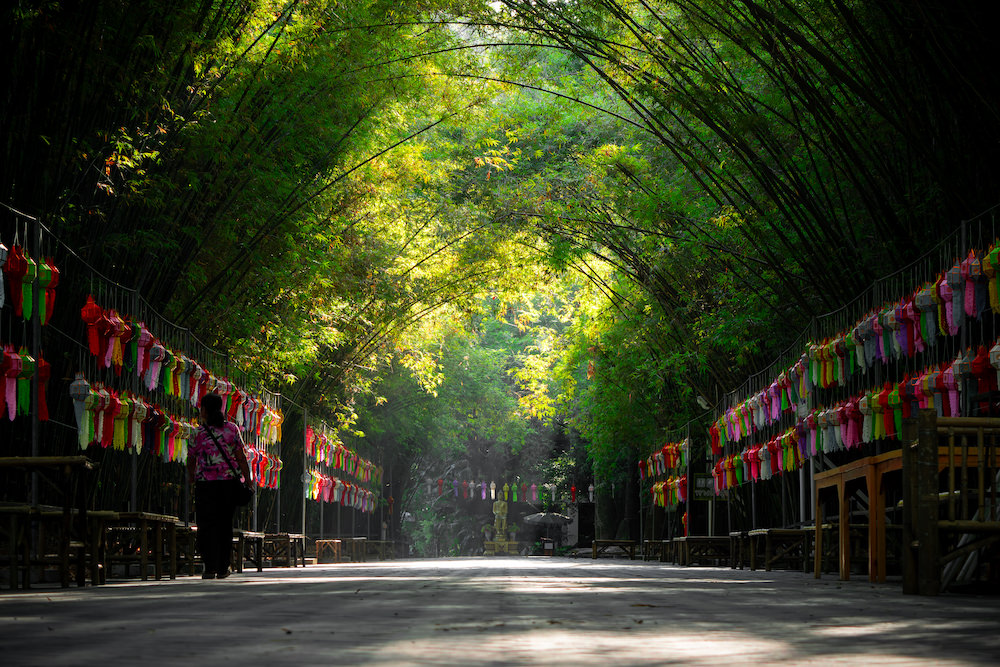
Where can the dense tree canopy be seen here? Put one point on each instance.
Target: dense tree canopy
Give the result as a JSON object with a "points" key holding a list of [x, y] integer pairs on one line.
{"points": [[466, 227]]}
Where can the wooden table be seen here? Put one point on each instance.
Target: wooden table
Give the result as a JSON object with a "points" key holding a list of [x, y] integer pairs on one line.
{"points": [[248, 545], [385, 549], [656, 549], [694, 547], [331, 547], [625, 546], [73, 486], [286, 548], [150, 536], [872, 470], [357, 548], [779, 543]]}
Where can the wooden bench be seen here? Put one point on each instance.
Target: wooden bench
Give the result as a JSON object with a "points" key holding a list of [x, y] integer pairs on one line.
{"points": [[739, 548], [277, 549], [701, 548], [187, 547], [142, 537], [70, 477], [248, 545], [285, 549], [780, 545], [661, 550], [328, 547], [15, 535], [297, 543], [385, 549], [625, 546], [871, 471], [356, 548]]}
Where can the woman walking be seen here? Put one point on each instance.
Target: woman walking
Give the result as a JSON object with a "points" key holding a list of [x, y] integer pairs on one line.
{"points": [[214, 457]]}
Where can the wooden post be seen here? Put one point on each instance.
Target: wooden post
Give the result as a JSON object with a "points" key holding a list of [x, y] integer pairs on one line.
{"points": [[909, 555], [925, 517]]}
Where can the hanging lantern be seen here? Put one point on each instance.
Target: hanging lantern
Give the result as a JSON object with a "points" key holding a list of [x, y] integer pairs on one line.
{"points": [[28, 290], [16, 267], [44, 372], [493, 490], [440, 486], [572, 491], [91, 314], [50, 290], [3, 261], [10, 368], [590, 492]]}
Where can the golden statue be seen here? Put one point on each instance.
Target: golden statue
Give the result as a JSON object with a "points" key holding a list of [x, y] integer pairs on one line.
{"points": [[500, 521]]}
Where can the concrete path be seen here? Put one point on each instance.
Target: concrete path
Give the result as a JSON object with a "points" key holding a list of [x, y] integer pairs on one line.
{"points": [[510, 611]]}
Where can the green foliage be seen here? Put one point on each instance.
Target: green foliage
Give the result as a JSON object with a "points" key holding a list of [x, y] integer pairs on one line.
{"points": [[497, 235]]}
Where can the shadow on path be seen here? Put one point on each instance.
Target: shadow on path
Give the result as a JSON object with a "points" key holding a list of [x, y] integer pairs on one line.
{"points": [[497, 612]]}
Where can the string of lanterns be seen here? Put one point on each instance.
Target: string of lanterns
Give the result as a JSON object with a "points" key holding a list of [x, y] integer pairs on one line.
{"points": [[670, 459], [896, 332], [17, 368], [325, 450], [109, 335], [22, 272], [472, 490]]}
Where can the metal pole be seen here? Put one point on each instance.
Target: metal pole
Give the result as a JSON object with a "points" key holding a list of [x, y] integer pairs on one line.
{"points": [[802, 495], [689, 504], [305, 473], [277, 497], [36, 333], [641, 534], [813, 464], [187, 482], [256, 497], [133, 495]]}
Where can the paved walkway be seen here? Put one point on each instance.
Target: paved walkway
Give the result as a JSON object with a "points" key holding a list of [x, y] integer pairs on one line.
{"points": [[510, 611]]}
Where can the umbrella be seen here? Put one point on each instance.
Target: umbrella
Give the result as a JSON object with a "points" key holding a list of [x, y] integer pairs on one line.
{"points": [[548, 519]]}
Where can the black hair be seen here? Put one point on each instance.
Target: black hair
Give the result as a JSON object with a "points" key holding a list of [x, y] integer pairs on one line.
{"points": [[212, 404]]}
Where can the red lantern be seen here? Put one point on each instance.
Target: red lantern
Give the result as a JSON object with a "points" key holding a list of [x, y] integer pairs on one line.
{"points": [[50, 289], [440, 486], [44, 372], [91, 314], [572, 490], [16, 268]]}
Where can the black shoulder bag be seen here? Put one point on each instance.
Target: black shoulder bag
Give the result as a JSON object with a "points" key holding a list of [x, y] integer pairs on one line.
{"points": [[243, 492]]}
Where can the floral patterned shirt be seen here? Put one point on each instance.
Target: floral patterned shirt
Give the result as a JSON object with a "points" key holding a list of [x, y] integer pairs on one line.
{"points": [[210, 465]]}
